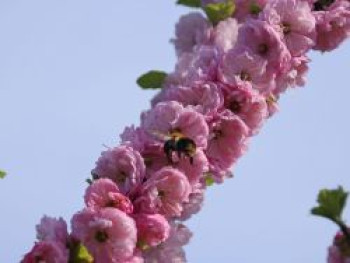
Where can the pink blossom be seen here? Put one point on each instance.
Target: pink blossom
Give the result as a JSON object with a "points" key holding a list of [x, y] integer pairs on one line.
{"points": [[204, 97], [225, 34], [136, 258], [296, 76], [332, 25], [248, 104], [123, 165], [191, 30], [228, 139], [168, 117], [193, 206], [170, 251], [135, 137], [105, 193], [152, 229], [52, 229], [156, 159], [164, 193], [246, 9], [240, 66], [218, 173], [200, 65], [263, 40], [295, 22], [48, 252], [109, 234]]}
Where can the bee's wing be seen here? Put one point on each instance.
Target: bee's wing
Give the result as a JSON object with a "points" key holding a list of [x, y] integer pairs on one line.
{"points": [[159, 135]]}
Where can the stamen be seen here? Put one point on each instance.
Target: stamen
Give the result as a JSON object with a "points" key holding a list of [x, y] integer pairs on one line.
{"points": [[101, 236]]}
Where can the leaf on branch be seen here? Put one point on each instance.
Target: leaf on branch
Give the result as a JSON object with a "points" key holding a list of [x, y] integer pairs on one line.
{"points": [[153, 79], [209, 180], [2, 174], [217, 12], [80, 254], [189, 3], [331, 204]]}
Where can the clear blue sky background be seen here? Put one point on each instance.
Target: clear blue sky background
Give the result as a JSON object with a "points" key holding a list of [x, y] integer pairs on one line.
{"points": [[67, 86]]}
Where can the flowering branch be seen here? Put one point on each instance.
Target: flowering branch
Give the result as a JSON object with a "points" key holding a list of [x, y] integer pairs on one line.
{"points": [[233, 65]]}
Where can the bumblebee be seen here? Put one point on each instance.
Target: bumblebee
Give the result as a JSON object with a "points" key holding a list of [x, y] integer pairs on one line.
{"points": [[181, 145]]}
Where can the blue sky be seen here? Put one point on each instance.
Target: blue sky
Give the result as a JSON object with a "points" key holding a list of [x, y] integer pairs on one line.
{"points": [[67, 87]]}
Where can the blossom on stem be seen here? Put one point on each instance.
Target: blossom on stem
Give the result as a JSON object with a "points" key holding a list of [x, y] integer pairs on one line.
{"points": [[152, 229], [104, 193], [47, 251], [169, 117], [164, 193], [192, 30], [123, 165], [204, 97], [332, 25], [228, 140], [171, 251], [109, 234], [294, 21], [52, 229]]}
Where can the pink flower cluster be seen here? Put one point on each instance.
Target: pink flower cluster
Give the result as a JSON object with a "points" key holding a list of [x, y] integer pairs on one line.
{"points": [[225, 85]]}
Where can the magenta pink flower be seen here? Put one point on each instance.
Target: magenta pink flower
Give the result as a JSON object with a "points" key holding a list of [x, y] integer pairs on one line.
{"points": [[263, 40], [204, 97], [135, 137], [136, 258], [246, 9], [109, 234], [171, 251], [164, 193], [228, 139], [240, 66], [339, 252], [52, 229], [152, 229], [191, 30], [193, 206], [200, 65], [248, 104], [296, 76], [295, 22], [48, 252], [123, 165], [219, 173], [156, 160], [332, 25], [104, 193], [225, 34], [168, 117]]}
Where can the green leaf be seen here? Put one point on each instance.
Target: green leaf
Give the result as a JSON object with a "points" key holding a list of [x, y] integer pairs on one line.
{"points": [[189, 3], [80, 254], [153, 79], [2, 174], [209, 180], [331, 204], [217, 12]]}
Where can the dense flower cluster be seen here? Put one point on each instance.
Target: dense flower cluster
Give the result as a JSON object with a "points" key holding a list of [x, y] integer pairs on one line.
{"points": [[226, 84]]}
